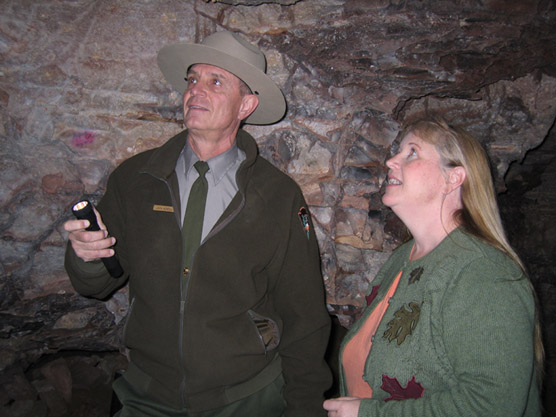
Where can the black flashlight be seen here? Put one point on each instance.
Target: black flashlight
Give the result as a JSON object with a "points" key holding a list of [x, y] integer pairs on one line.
{"points": [[83, 210]]}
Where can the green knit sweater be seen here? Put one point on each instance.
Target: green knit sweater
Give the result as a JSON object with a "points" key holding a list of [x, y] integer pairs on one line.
{"points": [[457, 338]]}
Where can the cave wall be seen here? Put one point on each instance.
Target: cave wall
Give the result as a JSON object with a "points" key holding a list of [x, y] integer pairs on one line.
{"points": [[80, 92]]}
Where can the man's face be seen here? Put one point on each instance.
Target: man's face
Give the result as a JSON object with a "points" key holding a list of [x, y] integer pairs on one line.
{"points": [[212, 102]]}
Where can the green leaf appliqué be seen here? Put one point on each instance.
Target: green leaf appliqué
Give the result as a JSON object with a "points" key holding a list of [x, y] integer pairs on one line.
{"points": [[403, 323], [415, 275]]}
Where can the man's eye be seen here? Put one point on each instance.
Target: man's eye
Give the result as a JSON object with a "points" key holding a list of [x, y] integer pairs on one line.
{"points": [[217, 82], [191, 80]]}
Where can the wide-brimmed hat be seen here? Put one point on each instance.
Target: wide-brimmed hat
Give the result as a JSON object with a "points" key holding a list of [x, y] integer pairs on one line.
{"points": [[228, 51]]}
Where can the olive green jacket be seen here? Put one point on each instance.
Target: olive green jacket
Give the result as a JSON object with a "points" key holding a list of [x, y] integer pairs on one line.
{"points": [[252, 305]]}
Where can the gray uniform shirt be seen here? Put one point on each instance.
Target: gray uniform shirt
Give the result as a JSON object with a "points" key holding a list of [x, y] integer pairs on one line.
{"points": [[221, 179]]}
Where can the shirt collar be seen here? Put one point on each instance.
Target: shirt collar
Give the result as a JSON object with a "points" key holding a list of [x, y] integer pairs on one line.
{"points": [[218, 165]]}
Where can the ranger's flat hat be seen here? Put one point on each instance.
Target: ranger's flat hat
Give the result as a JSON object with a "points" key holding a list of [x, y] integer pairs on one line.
{"points": [[228, 51]]}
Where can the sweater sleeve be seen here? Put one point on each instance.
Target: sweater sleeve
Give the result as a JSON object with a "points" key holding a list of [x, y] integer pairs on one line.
{"points": [[486, 327], [299, 297]]}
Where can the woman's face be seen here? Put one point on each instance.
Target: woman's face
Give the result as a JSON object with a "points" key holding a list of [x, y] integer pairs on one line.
{"points": [[416, 180]]}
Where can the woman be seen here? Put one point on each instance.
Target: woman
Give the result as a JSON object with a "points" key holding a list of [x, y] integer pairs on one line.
{"points": [[451, 329]]}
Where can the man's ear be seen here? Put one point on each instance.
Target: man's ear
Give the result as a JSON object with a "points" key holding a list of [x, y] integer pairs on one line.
{"points": [[249, 103]]}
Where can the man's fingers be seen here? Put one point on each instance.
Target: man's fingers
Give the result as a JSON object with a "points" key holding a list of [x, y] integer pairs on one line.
{"points": [[75, 225]]}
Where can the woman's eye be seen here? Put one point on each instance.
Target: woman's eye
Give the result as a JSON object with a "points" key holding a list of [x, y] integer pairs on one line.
{"points": [[412, 153]]}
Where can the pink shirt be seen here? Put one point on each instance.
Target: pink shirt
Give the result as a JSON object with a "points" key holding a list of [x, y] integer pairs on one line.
{"points": [[357, 349]]}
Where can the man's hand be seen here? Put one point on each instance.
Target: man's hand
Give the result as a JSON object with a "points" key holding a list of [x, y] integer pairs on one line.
{"points": [[342, 407], [89, 246]]}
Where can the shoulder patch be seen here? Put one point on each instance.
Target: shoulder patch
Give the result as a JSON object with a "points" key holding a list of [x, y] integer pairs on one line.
{"points": [[304, 218]]}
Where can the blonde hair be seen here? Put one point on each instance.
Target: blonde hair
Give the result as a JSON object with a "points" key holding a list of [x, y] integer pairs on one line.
{"points": [[480, 215]]}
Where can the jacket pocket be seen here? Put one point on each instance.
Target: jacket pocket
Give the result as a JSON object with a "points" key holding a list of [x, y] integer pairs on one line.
{"points": [[267, 329], [127, 318]]}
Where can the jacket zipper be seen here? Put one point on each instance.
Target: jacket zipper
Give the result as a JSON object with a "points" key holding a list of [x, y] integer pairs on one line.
{"points": [[183, 291], [185, 279]]}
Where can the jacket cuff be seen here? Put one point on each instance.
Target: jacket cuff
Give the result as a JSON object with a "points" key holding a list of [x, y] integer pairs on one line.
{"points": [[88, 278]]}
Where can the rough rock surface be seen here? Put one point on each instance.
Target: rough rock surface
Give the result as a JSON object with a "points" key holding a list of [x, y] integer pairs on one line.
{"points": [[80, 92]]}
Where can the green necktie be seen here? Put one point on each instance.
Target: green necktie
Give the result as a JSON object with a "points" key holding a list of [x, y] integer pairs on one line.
{"points": [[194, 214]]}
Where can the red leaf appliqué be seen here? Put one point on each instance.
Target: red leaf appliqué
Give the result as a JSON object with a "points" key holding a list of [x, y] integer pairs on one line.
{"points": [[413, 389], [372, 295]]}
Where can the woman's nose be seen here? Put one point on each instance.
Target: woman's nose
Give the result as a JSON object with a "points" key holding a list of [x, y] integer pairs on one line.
{"points": [[391, 162]]}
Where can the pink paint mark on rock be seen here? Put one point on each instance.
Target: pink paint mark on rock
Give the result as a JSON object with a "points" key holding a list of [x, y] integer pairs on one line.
{"points": [[83, 139]]}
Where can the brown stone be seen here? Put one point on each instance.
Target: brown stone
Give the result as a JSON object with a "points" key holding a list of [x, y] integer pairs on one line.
{"points": [[59, 377], [52, 182]]}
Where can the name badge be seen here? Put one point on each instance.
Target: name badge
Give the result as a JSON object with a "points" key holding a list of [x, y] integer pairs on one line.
{"points": [[160, 207]]}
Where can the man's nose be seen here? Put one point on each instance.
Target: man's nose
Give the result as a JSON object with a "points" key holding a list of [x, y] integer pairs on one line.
{"points": [[195, 89]]}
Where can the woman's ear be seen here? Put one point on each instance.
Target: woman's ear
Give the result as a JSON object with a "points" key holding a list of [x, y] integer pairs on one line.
{"points": [[456, 177]]}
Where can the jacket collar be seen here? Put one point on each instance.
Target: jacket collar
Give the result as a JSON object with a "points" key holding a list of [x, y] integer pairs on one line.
{"points": [[163, 160], [247, 144]]}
